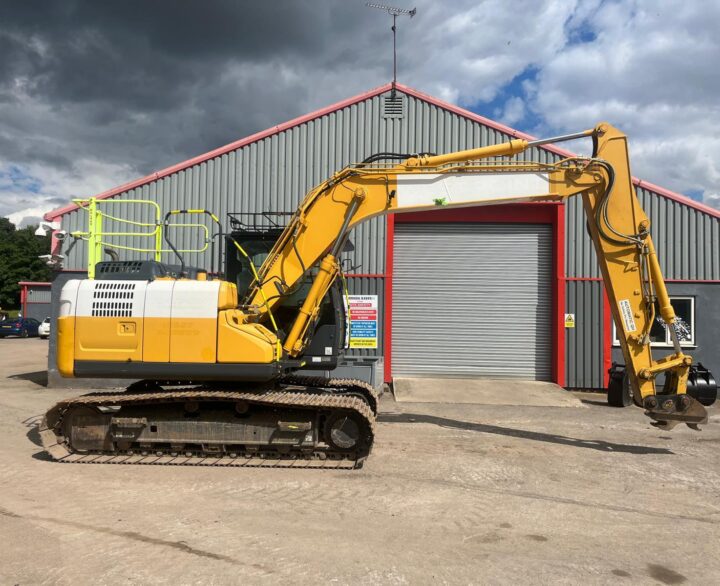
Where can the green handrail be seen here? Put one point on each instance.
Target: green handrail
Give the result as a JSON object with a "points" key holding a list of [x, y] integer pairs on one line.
{"points": [[94, 235]]}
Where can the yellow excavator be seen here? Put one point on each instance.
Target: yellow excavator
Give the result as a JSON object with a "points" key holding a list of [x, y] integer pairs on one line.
{"points": [[216, 361]]}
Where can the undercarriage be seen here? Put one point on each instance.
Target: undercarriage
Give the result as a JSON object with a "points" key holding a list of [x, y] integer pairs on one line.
{"points": [[297, 422]]}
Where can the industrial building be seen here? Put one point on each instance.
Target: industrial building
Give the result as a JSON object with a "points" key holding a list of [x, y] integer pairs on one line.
{"points": [[35, 299], [535, 295]]}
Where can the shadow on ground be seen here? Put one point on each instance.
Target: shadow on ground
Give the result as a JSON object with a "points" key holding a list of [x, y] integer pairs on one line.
{"points": [[591, 402], [445, 422], [33, 435], [33, 429], [39, 377]]}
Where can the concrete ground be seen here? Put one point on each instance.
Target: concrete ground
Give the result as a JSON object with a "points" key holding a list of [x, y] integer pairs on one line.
{"points": [[483, 391], [455, 494]]}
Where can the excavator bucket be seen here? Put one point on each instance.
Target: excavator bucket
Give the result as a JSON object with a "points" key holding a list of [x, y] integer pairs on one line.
{"points": [[667, 411], [701, 384]]}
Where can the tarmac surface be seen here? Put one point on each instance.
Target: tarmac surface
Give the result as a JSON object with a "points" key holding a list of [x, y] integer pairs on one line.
{"points": [[452, 494]]}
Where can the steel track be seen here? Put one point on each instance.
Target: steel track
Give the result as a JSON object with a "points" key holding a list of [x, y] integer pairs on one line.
{"points": [[296, 392], [336, 384]]}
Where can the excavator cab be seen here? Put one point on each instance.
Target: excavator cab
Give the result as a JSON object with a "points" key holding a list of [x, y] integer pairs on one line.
{"points": [[326, 345]]}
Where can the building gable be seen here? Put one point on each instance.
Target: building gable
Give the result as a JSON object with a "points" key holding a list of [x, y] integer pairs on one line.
{"points": [[273, 169]]}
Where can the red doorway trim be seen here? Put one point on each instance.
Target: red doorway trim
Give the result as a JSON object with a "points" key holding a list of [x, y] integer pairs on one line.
{"points": [[389, 261], [526, 213], [559, 295], [607, 338]]}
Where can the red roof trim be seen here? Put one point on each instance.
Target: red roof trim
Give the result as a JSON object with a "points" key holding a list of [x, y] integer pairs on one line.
{"points": [[52, 215], [679, 197], [34, 284]]}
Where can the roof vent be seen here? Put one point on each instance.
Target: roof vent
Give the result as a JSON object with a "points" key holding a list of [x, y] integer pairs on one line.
{"points": [[393, 106]]}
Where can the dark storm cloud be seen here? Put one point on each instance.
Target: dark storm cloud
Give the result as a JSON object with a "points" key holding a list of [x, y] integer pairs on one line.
{"points": [[94, 93], [145, 82], [135, 52]]}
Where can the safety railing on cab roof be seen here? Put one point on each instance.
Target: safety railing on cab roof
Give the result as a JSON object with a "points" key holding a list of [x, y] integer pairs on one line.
{"points": [[258, 221], [155, 231]]}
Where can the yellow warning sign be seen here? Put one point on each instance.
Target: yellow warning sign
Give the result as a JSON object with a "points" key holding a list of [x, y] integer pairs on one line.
{"points": [[363, 342], [569, 320]]}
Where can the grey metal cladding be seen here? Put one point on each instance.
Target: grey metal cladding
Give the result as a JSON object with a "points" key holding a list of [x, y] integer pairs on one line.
{"points": [[271, 174], [580, 258], [584, 348], [275, 172], [38, 311], [38, 294], [686, 239]]}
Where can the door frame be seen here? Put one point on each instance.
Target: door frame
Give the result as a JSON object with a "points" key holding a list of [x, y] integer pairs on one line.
{"points": [[552, 213]]}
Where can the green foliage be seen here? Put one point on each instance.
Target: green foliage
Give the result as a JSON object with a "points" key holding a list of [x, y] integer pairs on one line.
{"points": [[19, 251]]}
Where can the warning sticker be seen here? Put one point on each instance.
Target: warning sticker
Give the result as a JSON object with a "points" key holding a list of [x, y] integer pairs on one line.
{"points": [[569, 320], [363, 317], [627, 315]]}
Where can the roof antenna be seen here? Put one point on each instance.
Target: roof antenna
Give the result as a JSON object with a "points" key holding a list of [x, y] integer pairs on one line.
{"points": [[394, 12]]}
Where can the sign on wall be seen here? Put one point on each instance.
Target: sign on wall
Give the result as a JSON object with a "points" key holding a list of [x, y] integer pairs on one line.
{"points": [[363, 316]]}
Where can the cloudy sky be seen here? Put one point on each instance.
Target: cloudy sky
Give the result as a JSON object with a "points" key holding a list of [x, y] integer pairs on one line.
{"points": [[96, 93]]}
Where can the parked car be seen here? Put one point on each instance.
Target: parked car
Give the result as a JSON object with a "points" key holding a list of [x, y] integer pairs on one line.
{"points": [[44, 329], [21, 326]]}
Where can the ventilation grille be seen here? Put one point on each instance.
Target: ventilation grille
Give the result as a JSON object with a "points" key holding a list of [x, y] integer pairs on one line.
{"points": [[113, 299], [393, 107], [120, 266]]}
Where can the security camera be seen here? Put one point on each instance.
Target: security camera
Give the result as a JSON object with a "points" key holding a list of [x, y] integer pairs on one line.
{"points": [[46, 227], [61, 234]]}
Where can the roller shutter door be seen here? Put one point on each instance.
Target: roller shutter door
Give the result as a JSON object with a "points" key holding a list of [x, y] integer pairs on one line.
{"points": [[472, 300]]}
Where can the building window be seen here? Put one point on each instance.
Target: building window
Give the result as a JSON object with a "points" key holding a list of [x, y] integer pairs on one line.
{"points": [[684, 326]]}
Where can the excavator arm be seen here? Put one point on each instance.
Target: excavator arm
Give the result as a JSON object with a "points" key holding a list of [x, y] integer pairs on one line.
{"points": [[619, 229]]}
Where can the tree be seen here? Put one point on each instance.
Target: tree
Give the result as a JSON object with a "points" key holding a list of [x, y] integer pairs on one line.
{"points": [[19, 251]]}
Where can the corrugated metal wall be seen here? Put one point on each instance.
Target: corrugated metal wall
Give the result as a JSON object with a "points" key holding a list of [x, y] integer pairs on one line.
{"points": [[274, 174], [687, 240], [37, 304], [38, 294], [688, 245], [584, 343]]}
